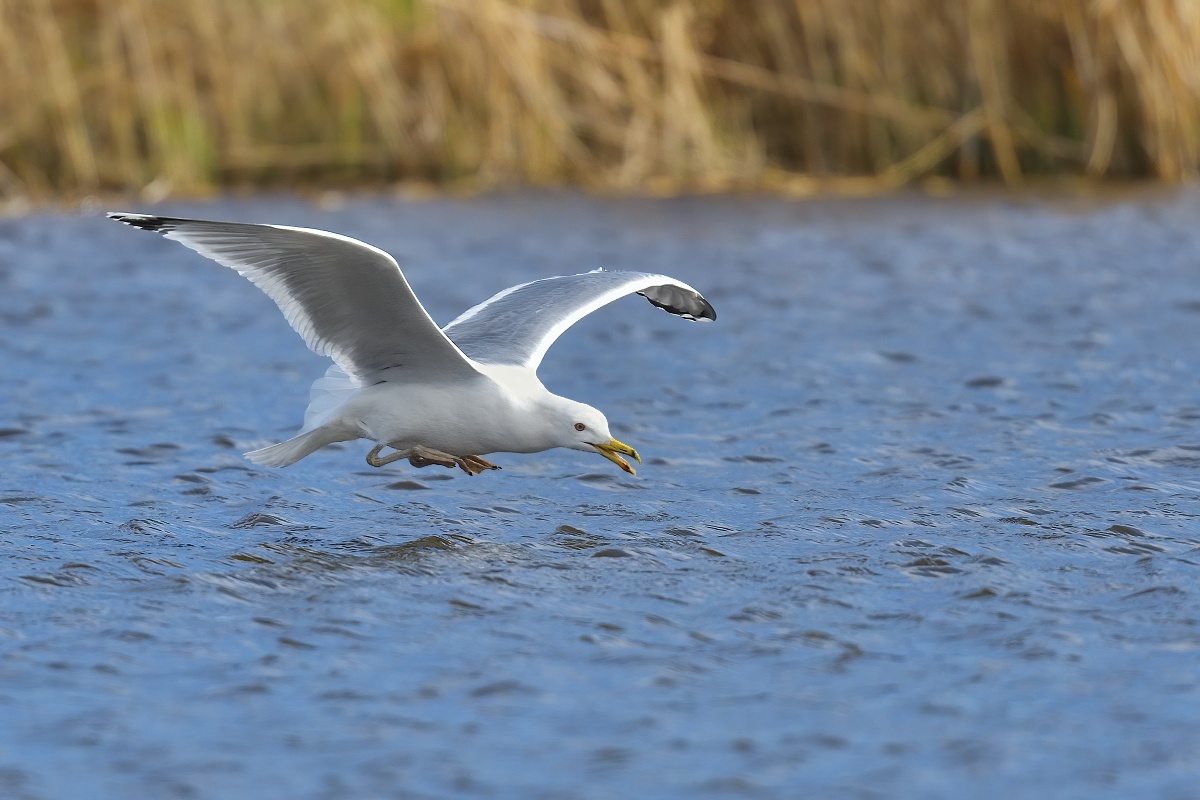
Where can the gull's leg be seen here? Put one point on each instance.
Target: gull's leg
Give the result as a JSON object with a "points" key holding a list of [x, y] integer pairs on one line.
{"points": [[373, 457], [418, 456], [424, 456]]}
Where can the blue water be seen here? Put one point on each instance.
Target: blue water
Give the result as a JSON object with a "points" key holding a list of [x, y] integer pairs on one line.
{"points": [[920, 515]]}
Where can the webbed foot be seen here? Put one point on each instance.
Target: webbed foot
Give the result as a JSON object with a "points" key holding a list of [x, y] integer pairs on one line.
{"points": [[473, 465]]}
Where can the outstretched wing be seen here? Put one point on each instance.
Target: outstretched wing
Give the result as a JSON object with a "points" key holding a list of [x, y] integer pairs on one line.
{"points": [[347, 299], [518, 325]]}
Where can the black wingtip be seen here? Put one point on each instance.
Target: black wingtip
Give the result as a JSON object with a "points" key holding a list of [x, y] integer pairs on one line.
{"points": [[687, 305], [706, 313], [147, 222]]}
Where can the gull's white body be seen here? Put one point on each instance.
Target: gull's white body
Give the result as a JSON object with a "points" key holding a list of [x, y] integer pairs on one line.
{"points": [[495, 412], [398, 380]]}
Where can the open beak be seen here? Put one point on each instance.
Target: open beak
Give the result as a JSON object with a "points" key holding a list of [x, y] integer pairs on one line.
{"points": [[610, 450]]}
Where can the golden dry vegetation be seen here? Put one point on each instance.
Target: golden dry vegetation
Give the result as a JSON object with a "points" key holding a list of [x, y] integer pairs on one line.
{"points": [[181, 96]]}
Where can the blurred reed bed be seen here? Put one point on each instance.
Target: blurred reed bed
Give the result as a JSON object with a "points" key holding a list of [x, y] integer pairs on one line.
{"points": [[181, 96]]}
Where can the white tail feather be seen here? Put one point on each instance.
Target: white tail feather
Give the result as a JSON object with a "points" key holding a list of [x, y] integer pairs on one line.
{"points": [[294, 449]]}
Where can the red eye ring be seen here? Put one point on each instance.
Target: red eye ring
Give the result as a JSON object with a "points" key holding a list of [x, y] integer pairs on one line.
{"points": [[579, 426]]}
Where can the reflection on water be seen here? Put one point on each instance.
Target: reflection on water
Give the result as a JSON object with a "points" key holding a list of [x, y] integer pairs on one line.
{"points": [[919, 512]]}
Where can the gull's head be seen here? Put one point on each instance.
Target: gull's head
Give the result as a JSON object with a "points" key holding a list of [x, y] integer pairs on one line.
{"points": [[580, 427]]}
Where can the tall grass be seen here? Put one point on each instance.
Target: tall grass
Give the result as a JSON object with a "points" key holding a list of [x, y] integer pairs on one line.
{"points": [[183, 96]]}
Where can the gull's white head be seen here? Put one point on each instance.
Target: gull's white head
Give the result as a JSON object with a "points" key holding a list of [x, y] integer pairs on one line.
{"points": [[578, 426]]}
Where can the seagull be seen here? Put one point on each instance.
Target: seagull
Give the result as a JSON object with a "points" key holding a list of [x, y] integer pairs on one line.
{"points": [[445, 396]]}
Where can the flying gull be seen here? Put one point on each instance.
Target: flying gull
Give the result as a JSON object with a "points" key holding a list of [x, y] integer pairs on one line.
{"points": [[444, 396]]}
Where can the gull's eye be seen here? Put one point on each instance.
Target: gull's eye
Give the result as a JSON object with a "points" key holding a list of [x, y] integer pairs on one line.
{"points": [[579, 426]]}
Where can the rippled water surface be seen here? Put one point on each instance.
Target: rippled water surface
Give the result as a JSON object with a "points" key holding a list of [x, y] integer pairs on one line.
{"points": [[920, 515]]}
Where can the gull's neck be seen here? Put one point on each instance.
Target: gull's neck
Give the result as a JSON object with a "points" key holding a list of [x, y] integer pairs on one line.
{"points": [[530, 412]]}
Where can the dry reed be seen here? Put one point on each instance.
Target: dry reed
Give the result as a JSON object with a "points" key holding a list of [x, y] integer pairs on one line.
{"points": [[183, 96]]}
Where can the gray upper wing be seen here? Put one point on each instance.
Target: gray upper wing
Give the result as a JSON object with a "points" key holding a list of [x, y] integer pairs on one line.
{"points": [[517, 326], [347, 299]]}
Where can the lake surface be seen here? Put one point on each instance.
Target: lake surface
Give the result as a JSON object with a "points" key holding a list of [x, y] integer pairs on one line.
{"points": [[920, 514]]}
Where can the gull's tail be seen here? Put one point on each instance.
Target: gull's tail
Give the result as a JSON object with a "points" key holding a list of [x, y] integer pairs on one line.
{"points": [[327, 396], [294, 449]]}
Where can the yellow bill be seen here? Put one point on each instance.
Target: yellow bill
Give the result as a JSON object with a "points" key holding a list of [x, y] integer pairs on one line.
{"points": [[612, 448]]}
